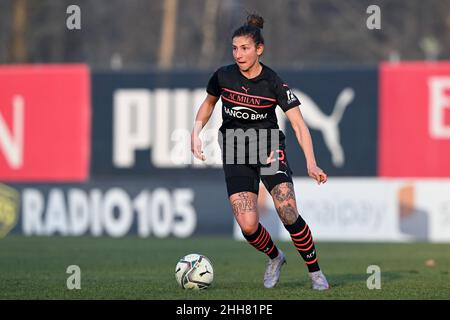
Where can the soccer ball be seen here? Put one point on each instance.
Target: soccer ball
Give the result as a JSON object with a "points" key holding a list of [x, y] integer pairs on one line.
{"points": [[194, 271]]}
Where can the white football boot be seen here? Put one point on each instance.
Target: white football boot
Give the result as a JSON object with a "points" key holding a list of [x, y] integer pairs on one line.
{"points": [[318, 280], [273, 270]]}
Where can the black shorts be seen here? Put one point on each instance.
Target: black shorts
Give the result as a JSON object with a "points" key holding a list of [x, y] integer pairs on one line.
{"points": [[246, 177]]}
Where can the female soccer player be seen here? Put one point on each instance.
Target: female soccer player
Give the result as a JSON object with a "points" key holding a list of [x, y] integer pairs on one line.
{"points": [[250, 92]]}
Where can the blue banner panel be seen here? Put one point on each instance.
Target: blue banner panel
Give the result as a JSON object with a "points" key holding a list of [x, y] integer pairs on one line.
{"points": [[340, 108], [142, 123]]}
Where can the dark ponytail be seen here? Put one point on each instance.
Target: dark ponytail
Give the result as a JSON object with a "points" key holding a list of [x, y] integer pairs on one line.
{"points": [[252, 29]]}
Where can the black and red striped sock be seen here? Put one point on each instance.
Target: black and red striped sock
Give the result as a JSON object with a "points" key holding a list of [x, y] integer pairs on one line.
{"points": [[302, 238], [262, 241]]}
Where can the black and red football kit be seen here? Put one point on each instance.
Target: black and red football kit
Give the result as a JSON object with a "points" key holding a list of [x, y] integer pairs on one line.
{"points": [[249, 110]]}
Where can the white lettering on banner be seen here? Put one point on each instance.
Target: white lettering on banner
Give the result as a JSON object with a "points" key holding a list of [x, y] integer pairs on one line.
{"points": [[131, 129], [162, 119], [439, 88], [140, 204], [142, 115], [183, 207], [161, 221], [33, 209], [138, 118], [12, 142], [78, 211], [56, 220], [117, 213], [162, 212], [95, 209]]}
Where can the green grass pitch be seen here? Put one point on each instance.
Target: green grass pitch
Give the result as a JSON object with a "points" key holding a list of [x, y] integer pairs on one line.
{"points": [[134, 268]]}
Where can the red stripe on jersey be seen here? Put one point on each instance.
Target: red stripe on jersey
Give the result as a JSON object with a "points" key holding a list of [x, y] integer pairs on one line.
{"points": [[248, 105], [249, 95]]}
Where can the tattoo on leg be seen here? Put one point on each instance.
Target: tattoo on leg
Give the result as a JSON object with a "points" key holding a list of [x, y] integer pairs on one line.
{"points": [[288, 214], [284, 198], [243, 204], [283, 192]]}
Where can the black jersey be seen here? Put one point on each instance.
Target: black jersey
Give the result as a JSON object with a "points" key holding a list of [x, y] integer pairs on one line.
{"points": [[250, 103]]}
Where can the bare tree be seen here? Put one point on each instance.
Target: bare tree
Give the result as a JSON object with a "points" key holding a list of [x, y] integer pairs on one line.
{"points": [[196, 33], [167, 46], [19, 27], [209, 32]]}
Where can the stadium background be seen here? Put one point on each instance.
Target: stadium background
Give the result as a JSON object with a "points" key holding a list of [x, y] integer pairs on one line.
{"points": [[95, 122]]}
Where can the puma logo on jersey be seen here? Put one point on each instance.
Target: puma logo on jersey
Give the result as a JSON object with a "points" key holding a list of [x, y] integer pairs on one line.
{"points": [[279, 171], [245, 89]]}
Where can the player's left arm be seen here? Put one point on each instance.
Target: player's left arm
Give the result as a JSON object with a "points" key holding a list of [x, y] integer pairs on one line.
{"points": [[304, 140]]}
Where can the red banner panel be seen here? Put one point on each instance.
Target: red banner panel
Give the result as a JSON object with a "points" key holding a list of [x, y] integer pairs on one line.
{"points": [[414, 120], [44, 123]]}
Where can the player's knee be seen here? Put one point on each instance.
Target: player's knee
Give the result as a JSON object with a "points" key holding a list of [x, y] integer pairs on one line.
{"points": [[249, 228]]}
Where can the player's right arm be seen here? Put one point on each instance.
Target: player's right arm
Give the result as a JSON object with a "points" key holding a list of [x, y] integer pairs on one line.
{"points": [[304, 140], [203, 115]]}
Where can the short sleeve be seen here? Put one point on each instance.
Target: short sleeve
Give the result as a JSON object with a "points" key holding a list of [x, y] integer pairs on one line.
{"points": [[213, 85], [286, 98]]}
